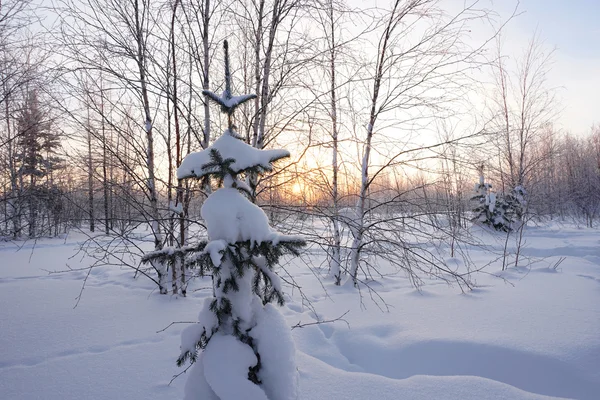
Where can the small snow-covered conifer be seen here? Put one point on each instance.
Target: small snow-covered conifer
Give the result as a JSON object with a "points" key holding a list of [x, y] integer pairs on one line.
{"points": [[500, 212], [485, 201], [515, 205], [241, 346]]}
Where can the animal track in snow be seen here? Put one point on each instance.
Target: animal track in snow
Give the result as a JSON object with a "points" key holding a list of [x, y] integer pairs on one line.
{"points": [[91, 350]]}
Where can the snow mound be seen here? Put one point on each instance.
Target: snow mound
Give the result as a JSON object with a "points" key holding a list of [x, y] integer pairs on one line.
{"points": [[228, 146], [196, 386], [273, 339], [321, 381], [207, 321], [231, 217], [545, 375], [226, 362]]}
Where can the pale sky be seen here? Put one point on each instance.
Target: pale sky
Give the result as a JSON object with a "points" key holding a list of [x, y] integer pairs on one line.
{"points": [[572, 27]]}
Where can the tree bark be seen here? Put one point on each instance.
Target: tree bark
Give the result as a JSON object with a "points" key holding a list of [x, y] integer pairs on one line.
{"points": [[151, 185]]}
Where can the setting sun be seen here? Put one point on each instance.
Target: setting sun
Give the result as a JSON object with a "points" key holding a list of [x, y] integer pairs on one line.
{"points": [[297, 188]]}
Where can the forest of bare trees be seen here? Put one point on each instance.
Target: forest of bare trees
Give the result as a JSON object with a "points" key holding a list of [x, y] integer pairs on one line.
{"points": [[102, 99]]}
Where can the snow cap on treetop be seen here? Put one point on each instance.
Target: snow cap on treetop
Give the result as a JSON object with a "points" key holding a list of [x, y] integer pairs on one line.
{"points": [[228, 146]]}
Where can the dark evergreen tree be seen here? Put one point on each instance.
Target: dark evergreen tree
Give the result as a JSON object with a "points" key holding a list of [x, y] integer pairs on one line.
{"points": [[37, 159], [514, 205]]}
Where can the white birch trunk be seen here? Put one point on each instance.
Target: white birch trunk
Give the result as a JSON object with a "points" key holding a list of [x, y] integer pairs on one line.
{"points": [[160, 268], [335, 263], [358, 224]]}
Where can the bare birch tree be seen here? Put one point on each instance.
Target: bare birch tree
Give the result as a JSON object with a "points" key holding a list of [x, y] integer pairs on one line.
{"points": [[524, 110], [114, 37], [421, 67]]}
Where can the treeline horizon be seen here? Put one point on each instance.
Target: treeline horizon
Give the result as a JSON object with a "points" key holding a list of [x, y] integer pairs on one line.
{"points": [[394, 110]]}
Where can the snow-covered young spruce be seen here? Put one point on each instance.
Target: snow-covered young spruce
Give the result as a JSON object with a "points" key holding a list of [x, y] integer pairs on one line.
{"points": [[241, 346], [501, 212]]}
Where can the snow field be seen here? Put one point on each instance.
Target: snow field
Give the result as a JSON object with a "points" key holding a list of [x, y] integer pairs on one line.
{"points": [[533, 333]]}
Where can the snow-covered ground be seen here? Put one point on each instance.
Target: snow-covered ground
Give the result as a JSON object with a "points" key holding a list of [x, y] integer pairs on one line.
{"points": [[532, 333]]}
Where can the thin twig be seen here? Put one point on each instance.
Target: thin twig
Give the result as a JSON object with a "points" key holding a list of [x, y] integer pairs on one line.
{"points": [[78, 298], [340, 318], [175, 323], [556, 265], [179, 374]]}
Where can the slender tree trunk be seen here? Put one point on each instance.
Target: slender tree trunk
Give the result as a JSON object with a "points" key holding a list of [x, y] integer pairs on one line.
{"points": [[111, 180], [358, 226], [205, 72], [177, 268], [152, 191], [280, 9], [104, 162], [183, 188], [335, 264], [171, 232], [15, 198], [257, 72], [258, 101], [32, 207], [507, 126], [90, 174]]}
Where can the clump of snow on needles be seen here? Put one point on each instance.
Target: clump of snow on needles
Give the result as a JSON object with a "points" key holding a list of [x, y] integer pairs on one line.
{"points": [[273, 339], [232, 218], [196, 387], [207, 322], [229, 146], [215, 249], [234, 101], [229, 360]]}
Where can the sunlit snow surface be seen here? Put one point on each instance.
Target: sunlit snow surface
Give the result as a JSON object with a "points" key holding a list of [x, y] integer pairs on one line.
{"points": [[533, 333]]}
